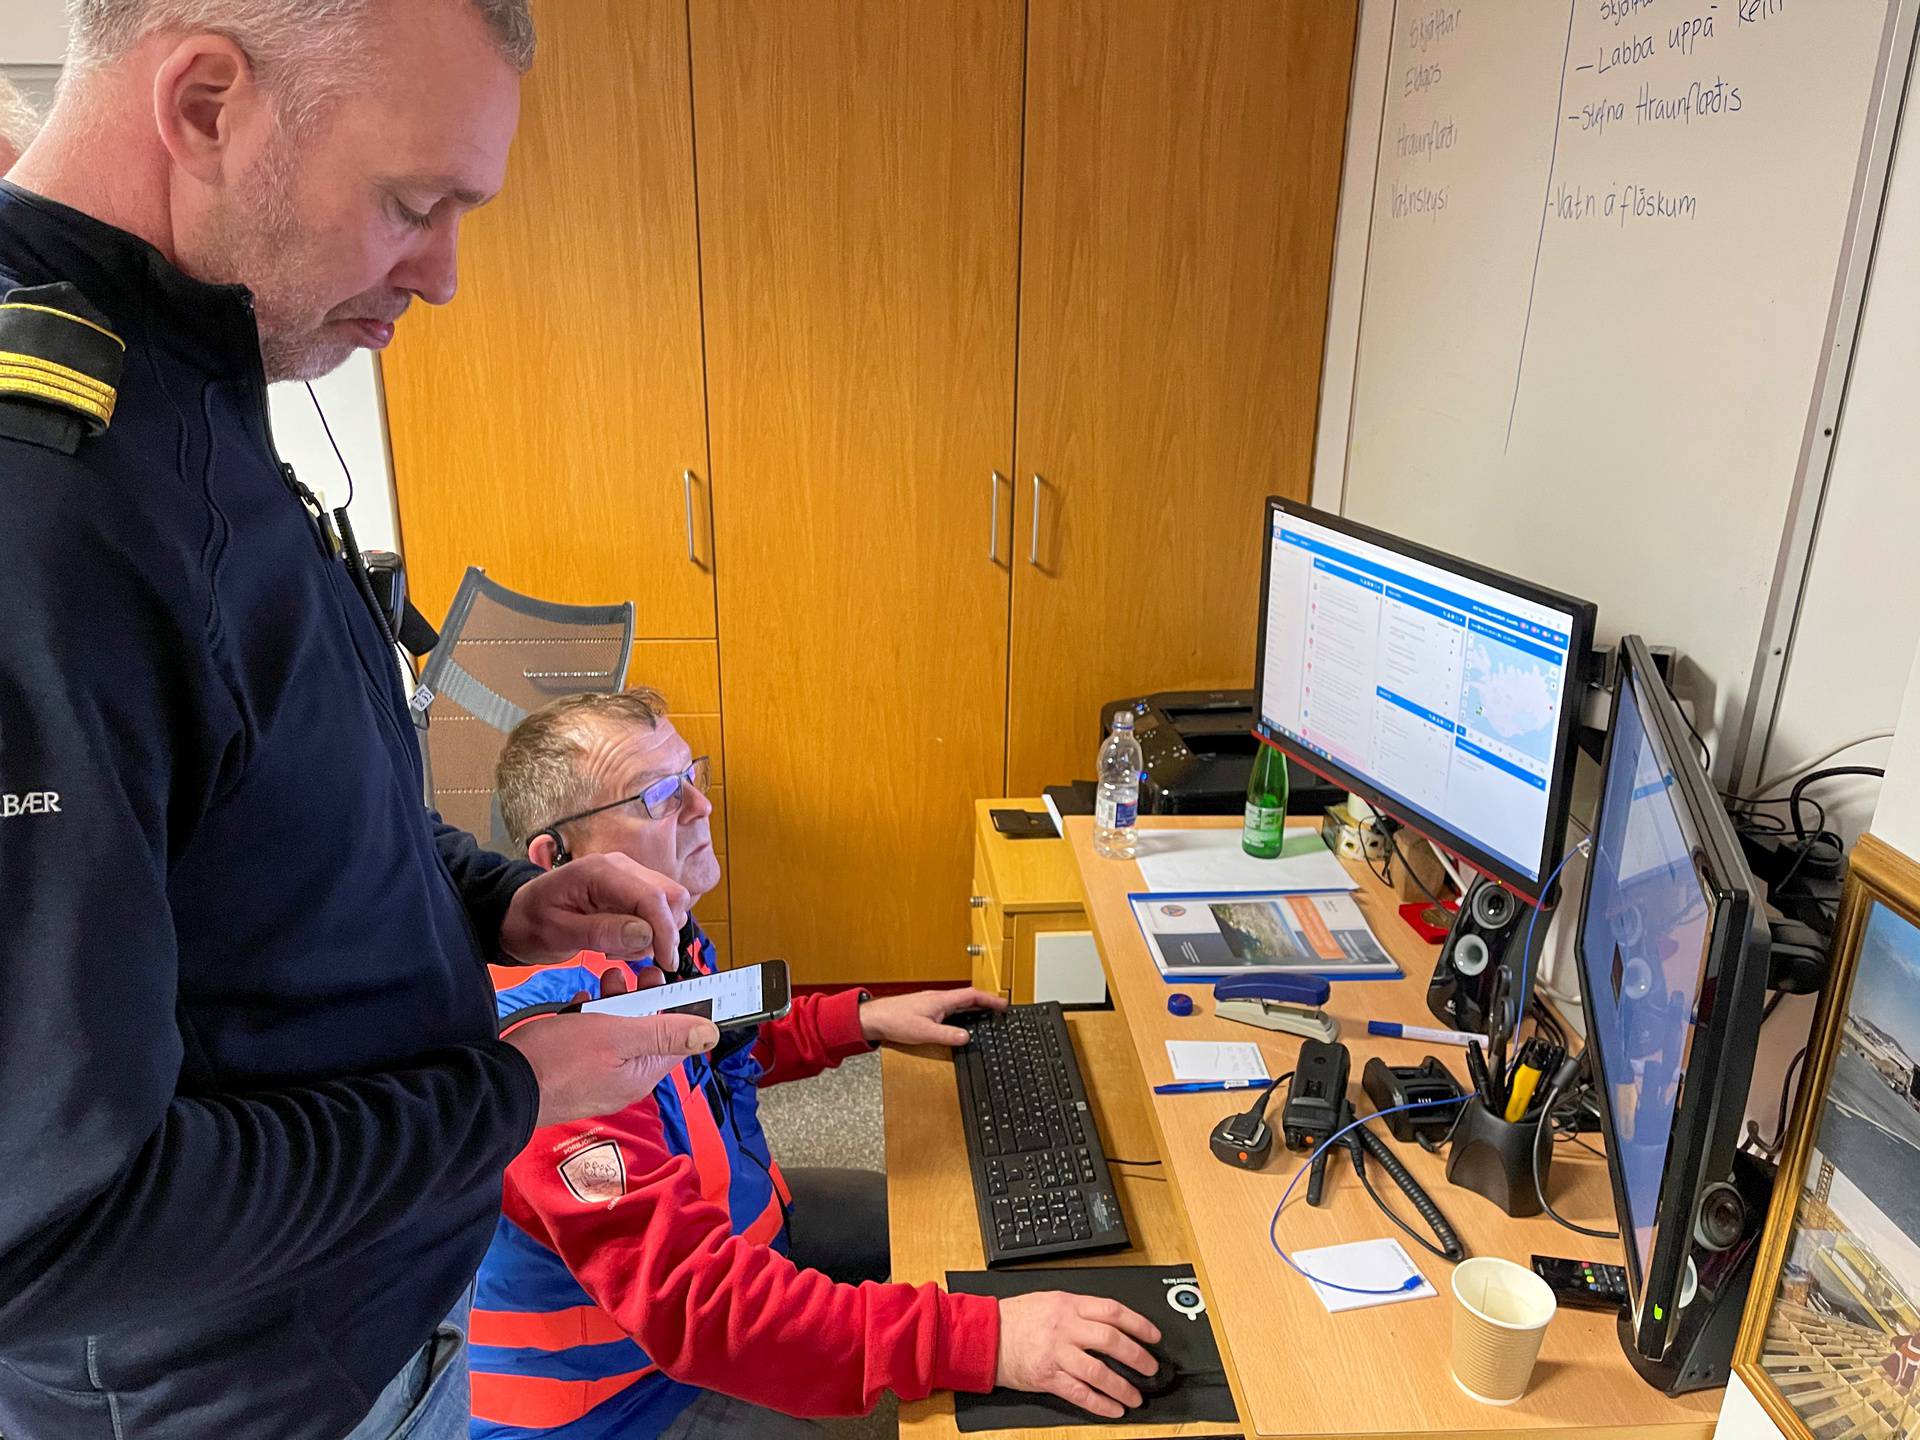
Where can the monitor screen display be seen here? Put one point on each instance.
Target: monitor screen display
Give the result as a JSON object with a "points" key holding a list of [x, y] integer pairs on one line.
{"points": [[1647, 928], [1444, 691]]}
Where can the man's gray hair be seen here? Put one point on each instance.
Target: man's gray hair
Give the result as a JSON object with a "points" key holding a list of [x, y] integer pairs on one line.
{"points": [[18, 123], [305, 50], [540, 775]]}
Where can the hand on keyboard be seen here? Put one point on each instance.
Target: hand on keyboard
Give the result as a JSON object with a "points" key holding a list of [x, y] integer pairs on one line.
{"points": [[917, 1019], [1044, 1343]]}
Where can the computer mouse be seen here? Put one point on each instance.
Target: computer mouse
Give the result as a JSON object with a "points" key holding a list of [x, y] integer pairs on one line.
{"points": [[1151, 1387]]}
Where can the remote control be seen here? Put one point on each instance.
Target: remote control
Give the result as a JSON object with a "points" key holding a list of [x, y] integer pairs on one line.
{"points": [[1583, 1284]]}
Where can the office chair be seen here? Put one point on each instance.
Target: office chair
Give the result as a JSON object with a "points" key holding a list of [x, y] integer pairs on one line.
{"points": [[501, 655]]}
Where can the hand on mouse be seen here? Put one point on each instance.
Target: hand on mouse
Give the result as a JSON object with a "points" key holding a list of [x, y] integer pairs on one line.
{"points": [[1045, 1344]]}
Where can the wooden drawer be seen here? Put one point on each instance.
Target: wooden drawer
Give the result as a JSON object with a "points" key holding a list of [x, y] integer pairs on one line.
{"points": [[983, 889], [987, 970]]}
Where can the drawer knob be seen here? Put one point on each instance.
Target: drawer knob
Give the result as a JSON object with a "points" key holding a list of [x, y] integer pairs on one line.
{"points": [[978, 902], [976, 951]]}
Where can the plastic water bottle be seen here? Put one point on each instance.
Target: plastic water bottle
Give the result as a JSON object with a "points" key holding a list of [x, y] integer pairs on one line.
{"points": [[1117, 805]]}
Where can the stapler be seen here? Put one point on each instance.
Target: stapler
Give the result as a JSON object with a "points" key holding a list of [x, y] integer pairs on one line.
{"points": [[1289, 1003]]}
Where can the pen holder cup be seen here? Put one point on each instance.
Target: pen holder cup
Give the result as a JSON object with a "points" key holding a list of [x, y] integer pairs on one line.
{"points": [[1494, 1158]]}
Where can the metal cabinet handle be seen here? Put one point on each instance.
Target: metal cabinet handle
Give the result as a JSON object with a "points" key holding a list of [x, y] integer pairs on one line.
{"points": [[978, 902], [976, 951], [993, 517], [686, 482], [1033, 544]]}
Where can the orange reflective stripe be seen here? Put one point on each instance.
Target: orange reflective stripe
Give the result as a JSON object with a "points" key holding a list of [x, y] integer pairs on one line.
{"points": [[555, 1330], [709, 1150], [780, 1186], [534, 1402], [762, 1231], [505, 977]]}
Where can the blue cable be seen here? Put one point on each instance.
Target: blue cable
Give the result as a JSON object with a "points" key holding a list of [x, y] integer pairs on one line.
{"points": [[1414, 1281], [1520, 994]]}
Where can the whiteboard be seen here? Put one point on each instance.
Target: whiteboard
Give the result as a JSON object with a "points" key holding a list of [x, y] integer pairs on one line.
{"points": [[1604, 311]]}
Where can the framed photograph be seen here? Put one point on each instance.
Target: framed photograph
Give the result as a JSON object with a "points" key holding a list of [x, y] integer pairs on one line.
{"points": [[1831, 1341]]}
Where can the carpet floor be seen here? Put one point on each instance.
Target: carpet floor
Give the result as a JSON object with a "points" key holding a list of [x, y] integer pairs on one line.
{"points": [[834, 1119]]}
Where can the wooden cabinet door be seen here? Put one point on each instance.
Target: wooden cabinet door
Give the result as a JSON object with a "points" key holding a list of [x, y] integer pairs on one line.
{"points": [[543, 422], [859, 197], [1182, 176]]}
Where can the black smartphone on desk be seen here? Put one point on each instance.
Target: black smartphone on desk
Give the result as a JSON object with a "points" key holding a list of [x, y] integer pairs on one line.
{"points": [[1024, 824]]}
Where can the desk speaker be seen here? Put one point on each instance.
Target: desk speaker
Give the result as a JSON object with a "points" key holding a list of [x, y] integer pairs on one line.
{"points": [[1491, 929]]}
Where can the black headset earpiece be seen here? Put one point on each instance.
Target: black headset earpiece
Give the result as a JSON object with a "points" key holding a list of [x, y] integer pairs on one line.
{"points": [[561, 855]]}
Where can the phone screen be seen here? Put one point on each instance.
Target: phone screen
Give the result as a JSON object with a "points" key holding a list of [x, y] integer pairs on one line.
{"points": [[729, 997]]}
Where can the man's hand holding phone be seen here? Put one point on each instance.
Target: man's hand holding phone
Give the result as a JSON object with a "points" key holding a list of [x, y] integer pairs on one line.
{"points": [[589, 1065], [606, 902]]}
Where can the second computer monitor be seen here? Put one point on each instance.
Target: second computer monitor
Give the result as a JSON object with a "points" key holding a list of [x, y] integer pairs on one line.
{"points": [[1673, 974], [1442, 692]]}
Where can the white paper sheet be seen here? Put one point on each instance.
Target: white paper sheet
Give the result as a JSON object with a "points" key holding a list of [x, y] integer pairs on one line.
{"points": [[1215, 1060], [1196, 861], [1364, 1265]]}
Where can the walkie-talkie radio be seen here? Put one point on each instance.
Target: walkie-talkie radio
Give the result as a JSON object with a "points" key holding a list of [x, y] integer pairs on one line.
{"points": [[1317, 1104], [1317, 1109]]}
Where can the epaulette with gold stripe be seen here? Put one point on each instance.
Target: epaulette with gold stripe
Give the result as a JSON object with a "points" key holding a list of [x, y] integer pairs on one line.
{"points": [[59, 368]]}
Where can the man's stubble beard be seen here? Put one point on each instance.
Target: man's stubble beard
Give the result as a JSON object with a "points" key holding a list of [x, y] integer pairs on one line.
{"points": [[257, 240]]}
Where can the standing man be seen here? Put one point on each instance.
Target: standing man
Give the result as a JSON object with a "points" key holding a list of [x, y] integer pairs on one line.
{"points": [[256, 1113], [17, 124]]}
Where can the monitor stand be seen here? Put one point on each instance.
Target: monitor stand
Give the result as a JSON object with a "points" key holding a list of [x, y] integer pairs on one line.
{"points": [[1701, 1354]]}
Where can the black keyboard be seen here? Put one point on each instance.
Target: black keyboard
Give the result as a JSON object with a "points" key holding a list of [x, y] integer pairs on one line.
{"points": [[1039, 1175]]}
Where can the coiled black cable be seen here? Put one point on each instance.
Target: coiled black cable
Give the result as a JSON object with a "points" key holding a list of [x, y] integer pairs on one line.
{"points": [[1362, 1142]]}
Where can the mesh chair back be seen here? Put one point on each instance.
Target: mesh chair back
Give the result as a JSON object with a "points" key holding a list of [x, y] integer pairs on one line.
{"points": [[500, 656]]}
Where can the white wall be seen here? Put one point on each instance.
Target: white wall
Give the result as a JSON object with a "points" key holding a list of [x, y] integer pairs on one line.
{"points": [[1897, 821], [1860, 612], [33, 41], [351, 400], [32, 32]]}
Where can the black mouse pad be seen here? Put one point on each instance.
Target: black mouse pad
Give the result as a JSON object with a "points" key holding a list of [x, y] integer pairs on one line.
{"points": [[1167, 1295]]}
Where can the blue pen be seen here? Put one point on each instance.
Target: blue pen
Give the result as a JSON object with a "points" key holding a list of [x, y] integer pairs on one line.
{"points": [[1196, 1087]]}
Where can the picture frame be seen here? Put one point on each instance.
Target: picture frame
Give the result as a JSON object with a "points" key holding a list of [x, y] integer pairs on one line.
{"points": [[1830, 1342]]}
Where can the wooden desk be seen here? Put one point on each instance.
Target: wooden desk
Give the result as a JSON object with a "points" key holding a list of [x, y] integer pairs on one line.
{"points": [[1380, 1373], [934, 1225]]}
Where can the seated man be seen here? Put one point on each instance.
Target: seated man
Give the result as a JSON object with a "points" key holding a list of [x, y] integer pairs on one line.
{"points": [[639, 1282]]}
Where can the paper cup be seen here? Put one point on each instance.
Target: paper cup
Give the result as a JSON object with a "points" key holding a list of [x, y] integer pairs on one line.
{"points": [[1500, 1314]]}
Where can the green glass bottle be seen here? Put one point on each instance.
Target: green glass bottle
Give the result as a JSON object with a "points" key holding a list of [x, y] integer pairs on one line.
{"points": [[1266, 824]]}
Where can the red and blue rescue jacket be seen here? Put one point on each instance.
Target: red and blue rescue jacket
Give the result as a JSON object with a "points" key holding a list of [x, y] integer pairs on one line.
{"points": [[640, 1258]]}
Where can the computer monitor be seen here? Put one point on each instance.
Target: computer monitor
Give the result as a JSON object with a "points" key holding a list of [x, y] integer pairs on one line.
{"points": [[1443, 693], [1672, 947]]}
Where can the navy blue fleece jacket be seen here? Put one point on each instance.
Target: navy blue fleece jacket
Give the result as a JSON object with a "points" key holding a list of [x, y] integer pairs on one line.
{"points": [[253, 1110]]}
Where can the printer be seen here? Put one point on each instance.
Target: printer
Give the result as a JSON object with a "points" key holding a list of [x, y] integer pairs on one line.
{"points": [[1197, 749]]}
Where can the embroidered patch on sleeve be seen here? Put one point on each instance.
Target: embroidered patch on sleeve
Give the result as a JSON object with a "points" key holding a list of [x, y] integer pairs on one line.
{"points": [[596, 1175]]}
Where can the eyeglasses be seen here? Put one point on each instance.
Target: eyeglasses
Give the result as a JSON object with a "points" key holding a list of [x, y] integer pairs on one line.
{"points": [[659, 800]]}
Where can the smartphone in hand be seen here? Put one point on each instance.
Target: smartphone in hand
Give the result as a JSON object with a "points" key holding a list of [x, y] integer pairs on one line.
{"points": [[747, 996]]}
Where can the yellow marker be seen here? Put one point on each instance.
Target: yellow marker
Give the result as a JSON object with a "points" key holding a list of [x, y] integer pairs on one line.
{"points": [[1524, 1079]]}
